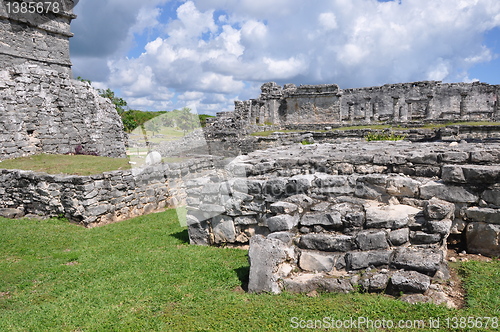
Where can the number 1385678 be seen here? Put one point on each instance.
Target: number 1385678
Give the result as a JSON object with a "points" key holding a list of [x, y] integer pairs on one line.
{"points": [[32, 7]]}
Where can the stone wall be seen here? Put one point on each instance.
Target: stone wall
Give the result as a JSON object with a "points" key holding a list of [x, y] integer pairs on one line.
{"points": [[42, 109], [329, 105], [97, 199], [41, 38], [45, 111], [322, 213]]}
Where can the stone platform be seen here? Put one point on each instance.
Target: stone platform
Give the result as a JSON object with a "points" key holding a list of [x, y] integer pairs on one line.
{"points": [[333, 216]]}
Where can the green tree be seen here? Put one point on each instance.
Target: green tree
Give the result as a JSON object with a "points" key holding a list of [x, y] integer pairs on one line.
{"points": [[187, 120], [119, 103]]}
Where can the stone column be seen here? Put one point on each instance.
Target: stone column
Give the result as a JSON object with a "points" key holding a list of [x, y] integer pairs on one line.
{"points": [[395, 108], [428, 108], [463, 107], [351, 111], [368, 110]]}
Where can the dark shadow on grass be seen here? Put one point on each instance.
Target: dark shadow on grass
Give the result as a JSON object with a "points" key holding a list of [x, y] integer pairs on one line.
{"points": [[243, 274], [183, 236]]}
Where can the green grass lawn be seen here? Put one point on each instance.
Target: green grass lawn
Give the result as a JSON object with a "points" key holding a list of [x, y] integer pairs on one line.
{"points": [[142, 275], [67, 164]]}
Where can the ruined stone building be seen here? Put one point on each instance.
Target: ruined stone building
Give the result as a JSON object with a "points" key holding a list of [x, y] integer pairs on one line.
{"points": [[429, 101], [42, 109]]}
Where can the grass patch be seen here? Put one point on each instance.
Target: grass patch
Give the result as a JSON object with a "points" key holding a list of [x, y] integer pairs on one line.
{"points": [[141, 275], [67, 164], [268, 133], [384, 137]]}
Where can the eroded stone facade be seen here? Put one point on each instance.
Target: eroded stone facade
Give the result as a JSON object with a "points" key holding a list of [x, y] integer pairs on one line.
{"points": [[327, 104], [42, 109]]}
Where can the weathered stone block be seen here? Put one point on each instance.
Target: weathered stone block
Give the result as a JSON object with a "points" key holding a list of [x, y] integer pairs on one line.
{"points": [[439, 209], [363, 259], [282, 222], [487, 215], [410, 282], [283, 208], [246, 220], [11, 213], [420, 237], [265, 256], [370, 240], [426, 261], [442, 227], [223, 229], [327, 242], [374, 282], [332, 219], [399, 236], [453, 174], [316, 262], [492, 196], [390, 216], [447, 193], [483, 238]]}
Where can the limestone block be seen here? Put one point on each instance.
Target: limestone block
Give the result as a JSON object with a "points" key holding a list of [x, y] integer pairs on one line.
{"points": [[285, 237], [487, 215], [458, 226], [11, 213], [374, 282], [427, 261], [402, 186], [327, 242], [282, 222], [316, 262], [301, 200], [198, 230], [334, 285], [223, 229], [483, 238], [454, 157], [475, 174], [420, 237], [283, 208], [364, 259], [265, 256], [492, 196], [389, 216], [438, 209], [447, 192], [399, 236], [453, 174], [410, 282], [442, 227], [332, 219], [372, 240], [246, 220]]}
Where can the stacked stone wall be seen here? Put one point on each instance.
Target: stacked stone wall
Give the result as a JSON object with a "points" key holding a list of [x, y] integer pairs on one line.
{"points": [[42, 109], [320, 105], [97, 199], [326, 213]]}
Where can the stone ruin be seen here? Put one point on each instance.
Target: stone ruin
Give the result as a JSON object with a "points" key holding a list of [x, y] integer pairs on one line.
{"points": [[317, 106], [332, 217], [42, 109], [336, 217]]}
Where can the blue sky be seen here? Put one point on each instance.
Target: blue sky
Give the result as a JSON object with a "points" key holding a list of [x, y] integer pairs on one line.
{"points": [[204, 54]]}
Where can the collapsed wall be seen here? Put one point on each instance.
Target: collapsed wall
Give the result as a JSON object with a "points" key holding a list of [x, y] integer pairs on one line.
{"points": [[429, 101], [317, 216], [42, 109]]}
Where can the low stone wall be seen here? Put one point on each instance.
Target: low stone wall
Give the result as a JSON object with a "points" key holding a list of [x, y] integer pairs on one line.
{"points": [[98, 199], [317, 216], [233, 145]]}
